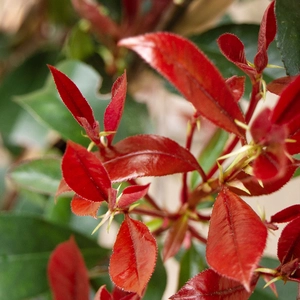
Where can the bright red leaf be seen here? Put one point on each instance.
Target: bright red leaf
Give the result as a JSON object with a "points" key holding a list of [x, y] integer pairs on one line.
{"points": [[185, 66], [114, 110], [146, 155], [85, 174], [67, 273], [103, 294], [266, 35], [293, 147], [237, 86], [175, 237], [233, 49], [288, 105], [236, 238], [286, 215], [132, 194], [289, 242], [134, 255], [76, 103], [209, 285], [83, 207], [267, 187]]}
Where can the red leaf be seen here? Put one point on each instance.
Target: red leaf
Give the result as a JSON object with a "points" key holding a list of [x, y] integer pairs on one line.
{"points": [[288, 214], [294, 134], [62, 188], [233, 49], [114, 110], [103, 294], [209, 285], [146, 155], [175, 237], [266, 35], [101, 23], [132, 194], [268, 187], [76, 103], [237, 86], [67, 273], [134, 255], [236, 238], [288, 105], [85, 174], [269, 165], [131, 9], [83, 207], [289, 242], [278, 85], [185, 66]]}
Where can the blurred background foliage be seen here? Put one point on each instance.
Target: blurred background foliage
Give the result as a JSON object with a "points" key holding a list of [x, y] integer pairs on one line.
{"points": [[34, 123]]}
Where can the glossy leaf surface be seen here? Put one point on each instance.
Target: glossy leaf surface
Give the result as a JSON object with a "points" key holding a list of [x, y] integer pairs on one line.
{"points": [[288, 105], [134, 255], [132, 194], [236, 238], [114, 110], [234, 50], [287, 214], [83, 207], [146, 155], [175, 237], [288, 39], [289, 242], [237, 86], [67, 273], [76, 103], [209, 285], [266, 35], [175, 57], [85, 174]]}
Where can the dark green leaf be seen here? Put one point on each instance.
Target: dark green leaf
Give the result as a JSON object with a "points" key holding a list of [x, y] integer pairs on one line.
{"points": [[192, 263], [40, 175], [158, 282], [288, 38], [26, 243]]}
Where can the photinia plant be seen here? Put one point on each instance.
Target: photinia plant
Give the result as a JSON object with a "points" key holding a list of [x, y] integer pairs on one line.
{"points": [[260, 155]]}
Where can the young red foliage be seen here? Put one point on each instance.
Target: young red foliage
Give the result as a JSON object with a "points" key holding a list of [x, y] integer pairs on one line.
{"points": [[209, 285], [134, 255], [83, 207], [287, 214], [288, 105], [85, 174], [289, 242], [67, 273], [146, 155], [132, 194], [266, 35], [236, 238], [233, 49], [76, 103], [236, 85], [278, 85], [117, 294], [114, 110], [103, 294], [174, 57], [175, 237]]}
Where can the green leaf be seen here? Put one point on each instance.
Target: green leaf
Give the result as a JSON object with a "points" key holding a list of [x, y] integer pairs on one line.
{"points": [[39, 175], [20, 81], [46, 105], [157, 283], [191, 263], [288, 38], [26, 243], [210, 153]]}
